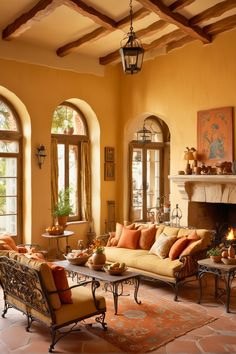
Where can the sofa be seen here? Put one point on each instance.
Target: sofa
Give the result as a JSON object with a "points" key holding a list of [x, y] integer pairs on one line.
{"points": [[41, 291], [161, 252]]}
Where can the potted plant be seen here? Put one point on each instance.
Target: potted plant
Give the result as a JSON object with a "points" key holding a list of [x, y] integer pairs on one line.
{"points": [[98, 257], [63, 207], [215, 254]]}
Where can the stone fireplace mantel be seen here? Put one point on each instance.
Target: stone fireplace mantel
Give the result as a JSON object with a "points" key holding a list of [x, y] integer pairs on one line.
{"points": [[206, 188]]}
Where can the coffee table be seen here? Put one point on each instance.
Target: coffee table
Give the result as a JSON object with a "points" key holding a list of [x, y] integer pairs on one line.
{"points": [[220, 271], [112, 283]]}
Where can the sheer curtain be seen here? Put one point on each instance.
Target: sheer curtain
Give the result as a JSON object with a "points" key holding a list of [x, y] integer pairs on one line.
{"points": [[54, 173], [86, 182]]}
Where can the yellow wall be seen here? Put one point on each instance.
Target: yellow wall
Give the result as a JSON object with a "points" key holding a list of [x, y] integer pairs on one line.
{"points": [[35, 91], [173, 87], [176, 86]]}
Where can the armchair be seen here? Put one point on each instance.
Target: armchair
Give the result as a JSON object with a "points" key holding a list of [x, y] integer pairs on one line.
{"points": [[28, 286]]}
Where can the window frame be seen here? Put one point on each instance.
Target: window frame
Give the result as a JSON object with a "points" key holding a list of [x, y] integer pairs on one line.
{"points": [[13, 135], [74, 139]]}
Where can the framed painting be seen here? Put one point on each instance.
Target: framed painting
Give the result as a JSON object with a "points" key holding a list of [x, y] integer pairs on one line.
{"points": [[215, 135], [109, 171], [109, 154]]}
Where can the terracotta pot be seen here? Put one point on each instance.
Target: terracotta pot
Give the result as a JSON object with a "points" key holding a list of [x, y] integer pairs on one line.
{"points": [[216, 259], [98, 258], [62, 220], [231, 251]]}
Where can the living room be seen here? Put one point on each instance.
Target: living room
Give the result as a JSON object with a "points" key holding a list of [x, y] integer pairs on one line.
{"points": [[172, 86]]}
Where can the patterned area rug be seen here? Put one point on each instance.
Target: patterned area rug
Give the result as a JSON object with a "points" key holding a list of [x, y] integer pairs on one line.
{"points": [[146, 327]]}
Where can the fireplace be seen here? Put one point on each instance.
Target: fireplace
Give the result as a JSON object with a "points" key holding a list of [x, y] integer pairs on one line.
{"points": [[210, 202]]}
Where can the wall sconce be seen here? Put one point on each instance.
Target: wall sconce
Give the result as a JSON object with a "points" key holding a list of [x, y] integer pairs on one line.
{"points": [[41, 155]]}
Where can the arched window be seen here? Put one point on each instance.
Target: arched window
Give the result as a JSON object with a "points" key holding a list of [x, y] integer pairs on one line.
{"points": [[149, 168], [10, 170], [69, 130]]}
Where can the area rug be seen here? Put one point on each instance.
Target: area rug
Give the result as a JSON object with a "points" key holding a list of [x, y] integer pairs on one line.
{"points": [[146, 327]]}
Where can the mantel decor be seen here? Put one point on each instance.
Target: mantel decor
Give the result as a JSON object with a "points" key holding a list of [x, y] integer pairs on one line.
{"points": [[215, 135]]}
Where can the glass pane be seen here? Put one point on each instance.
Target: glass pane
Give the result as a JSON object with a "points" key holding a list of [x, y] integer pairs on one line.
{"points": [[61, 166], [73, 177], [9, 146], [137, 183], [8, 205], [8, 186], [153, 181], [8, 223], [67, 120], [7, 119], [8, 167]]}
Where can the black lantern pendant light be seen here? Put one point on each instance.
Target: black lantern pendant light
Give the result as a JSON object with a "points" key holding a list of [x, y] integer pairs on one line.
{"points": [[144, 135], [132, 52]]}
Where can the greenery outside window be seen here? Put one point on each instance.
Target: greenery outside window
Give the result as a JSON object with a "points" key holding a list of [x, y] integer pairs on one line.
{"points": [[70, 129], [10, 171]]}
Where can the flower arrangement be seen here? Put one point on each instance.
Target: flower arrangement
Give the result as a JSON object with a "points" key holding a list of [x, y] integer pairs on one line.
{"points": [[97, 246], [215, 251]]}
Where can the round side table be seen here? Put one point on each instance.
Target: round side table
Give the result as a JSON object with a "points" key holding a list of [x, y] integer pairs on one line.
{"points": [[66, 234]]}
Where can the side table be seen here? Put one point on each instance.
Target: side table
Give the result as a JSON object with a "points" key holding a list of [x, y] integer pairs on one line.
{"points": [[66, 234], [220, 271]]}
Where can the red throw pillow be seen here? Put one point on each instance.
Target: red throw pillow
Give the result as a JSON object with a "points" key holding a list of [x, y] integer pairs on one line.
{"points": [[178, 247], [147, 238], [61, 283], [129, 238]]}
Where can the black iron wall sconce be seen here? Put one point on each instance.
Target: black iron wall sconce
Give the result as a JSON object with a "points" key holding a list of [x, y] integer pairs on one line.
{"points": [[41, 154]]}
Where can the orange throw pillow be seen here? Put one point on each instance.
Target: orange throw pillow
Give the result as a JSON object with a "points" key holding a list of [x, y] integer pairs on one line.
{"points": [[9, 241], [111, 236], [61, 283], [119, 228], [129, 238], [147, 238], [178, 247]]}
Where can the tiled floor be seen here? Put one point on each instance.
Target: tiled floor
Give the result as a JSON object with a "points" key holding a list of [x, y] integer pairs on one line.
{"points": [[216, 337]]}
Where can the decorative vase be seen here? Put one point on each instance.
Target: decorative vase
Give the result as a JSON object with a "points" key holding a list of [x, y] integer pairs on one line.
{"points": [[98, 258], [231, 252]]}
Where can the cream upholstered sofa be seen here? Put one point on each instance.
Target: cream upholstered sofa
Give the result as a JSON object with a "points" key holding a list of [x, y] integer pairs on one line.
{"points": [[41, 291], [173, 269]]}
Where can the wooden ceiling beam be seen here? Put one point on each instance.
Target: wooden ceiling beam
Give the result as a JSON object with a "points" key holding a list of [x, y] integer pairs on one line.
{"points": [[177, 19], [72, 47], [42, 9], [214, 11], [180, 4], [98, 33], [179, 43], [91, 13], [221, 25]]}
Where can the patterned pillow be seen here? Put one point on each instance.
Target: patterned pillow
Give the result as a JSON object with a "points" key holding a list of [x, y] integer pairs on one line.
{"points": [[162, 245]]}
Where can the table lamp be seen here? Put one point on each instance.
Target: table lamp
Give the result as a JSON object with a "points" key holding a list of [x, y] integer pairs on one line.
{"points": [[188, 155]]}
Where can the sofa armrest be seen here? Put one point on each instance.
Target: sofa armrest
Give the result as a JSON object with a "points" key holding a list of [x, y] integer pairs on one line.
{"points": [[190, 265]]}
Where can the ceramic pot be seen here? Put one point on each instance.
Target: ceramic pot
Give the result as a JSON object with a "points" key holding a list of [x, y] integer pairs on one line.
{"points": [[231, 251], [216, 259], [98, 258], [62, 220]]}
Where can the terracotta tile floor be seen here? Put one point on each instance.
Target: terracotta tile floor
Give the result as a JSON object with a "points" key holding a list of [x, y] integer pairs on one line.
{"points": [[216, 337]]}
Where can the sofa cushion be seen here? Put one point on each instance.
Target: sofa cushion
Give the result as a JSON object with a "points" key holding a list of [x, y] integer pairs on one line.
{"points": [[7, 242], [147, 238], [129, 238], [45, 274], [178, 246], [61, 282], [123, 255], [193, 246], [119, 227], [162, 245]]}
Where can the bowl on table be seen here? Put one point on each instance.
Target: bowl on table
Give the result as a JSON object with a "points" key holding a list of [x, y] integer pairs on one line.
{"points": [[80, 260], [229, 261], [114, 271]]}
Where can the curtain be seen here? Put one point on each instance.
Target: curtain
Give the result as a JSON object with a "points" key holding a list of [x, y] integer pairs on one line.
{"points": [[54, 173], [86, 182]]}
